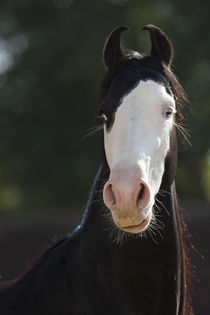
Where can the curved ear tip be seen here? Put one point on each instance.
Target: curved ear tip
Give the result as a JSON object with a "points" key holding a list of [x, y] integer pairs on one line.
{"points": [[148, 27], [118, 30], [122, 28]]}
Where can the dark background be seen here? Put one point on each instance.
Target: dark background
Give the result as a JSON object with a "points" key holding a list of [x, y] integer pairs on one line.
{"points": [[50, 71]]}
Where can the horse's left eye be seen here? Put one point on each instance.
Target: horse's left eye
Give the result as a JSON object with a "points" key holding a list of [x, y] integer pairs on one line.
{"points": [[168, 112]]}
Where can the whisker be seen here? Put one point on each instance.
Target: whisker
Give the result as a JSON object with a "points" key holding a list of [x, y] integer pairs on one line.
{"points": [[162, 192], [184, 132], [93, 131], [164, 207], [98, 190]]}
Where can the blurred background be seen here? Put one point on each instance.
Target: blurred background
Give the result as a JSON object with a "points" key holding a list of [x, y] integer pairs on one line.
{"points": [[50, 72]]}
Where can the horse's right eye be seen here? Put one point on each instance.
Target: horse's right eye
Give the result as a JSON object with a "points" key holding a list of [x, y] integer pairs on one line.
{"points": [[104, 117]]}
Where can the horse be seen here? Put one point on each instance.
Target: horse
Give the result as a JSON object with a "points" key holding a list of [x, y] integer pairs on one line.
{"points": [[129, 255]]}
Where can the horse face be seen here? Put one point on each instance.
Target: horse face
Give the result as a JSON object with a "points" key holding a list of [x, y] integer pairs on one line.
{"points": [[138, 110], [137, 140]]}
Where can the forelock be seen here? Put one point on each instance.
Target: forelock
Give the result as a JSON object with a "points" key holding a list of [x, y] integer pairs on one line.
{"points": [[125, 74]]}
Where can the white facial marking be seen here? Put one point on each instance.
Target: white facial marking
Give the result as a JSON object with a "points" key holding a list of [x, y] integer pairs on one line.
{"points": [[139, 140]]}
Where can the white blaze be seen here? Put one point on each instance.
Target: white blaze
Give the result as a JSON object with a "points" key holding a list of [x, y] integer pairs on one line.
{"points": [[139, 139]]}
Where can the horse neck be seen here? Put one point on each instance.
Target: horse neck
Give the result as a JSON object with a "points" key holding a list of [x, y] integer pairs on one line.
{"points": [[93, 216]]}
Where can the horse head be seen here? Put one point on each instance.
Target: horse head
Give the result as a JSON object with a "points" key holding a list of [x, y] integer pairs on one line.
{"points": [[138, 105]]}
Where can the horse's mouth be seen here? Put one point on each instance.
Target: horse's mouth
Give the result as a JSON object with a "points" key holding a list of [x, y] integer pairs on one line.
{"points": [[137, 228]]}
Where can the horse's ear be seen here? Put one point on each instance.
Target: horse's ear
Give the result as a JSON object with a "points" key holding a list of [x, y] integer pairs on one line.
{"points": [[113, 49], [161, 45]]}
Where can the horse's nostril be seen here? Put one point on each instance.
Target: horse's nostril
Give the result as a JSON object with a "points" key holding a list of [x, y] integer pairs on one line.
{"points": [[143, 196], [140, 194], [109, 196]]}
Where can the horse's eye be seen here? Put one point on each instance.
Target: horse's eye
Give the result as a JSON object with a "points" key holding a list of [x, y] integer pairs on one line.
{"points": [[104, 117], [167, 112]]}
